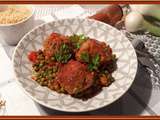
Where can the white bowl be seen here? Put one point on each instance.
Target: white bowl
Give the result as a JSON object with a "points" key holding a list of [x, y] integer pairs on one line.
{"points": [[12, 33], [124, 74]]}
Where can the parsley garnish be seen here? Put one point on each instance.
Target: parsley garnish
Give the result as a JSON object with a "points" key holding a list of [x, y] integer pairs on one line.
{"points": [[85, 57], [82, 38], [77, 40], [93, 62], [64, 54], [93, 65], [95, 59]]}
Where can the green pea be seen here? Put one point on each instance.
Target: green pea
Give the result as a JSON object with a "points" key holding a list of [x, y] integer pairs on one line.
{"points": [[38, 80], [54, 69], [106, 72], [54, 75], [43, 79], [45, 83], [45, 73], [53, 58], [50, 71]]}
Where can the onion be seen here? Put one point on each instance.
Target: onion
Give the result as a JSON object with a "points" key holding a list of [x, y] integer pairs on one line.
{"points": [[134, 22]]}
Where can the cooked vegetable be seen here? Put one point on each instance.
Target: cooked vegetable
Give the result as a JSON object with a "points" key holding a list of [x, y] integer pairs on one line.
{"points": [[77, 40], [85, 57], [94, 64], [64, 54], [74, 65], [32, 56]]}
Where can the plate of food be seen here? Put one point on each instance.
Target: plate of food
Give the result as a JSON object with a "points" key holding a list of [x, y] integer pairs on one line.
{"points": [[75, 65]]}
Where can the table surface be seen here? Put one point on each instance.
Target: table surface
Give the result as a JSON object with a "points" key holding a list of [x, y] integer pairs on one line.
{"points": [[141, 99]]}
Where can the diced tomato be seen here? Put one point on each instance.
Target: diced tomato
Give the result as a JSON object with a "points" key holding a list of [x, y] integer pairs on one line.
{"points": [[48, 54], [51, 64], [32, 56], [54, 35]]}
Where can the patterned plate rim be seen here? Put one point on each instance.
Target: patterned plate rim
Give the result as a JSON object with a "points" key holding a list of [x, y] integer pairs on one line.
{"points": [[56, 108]]}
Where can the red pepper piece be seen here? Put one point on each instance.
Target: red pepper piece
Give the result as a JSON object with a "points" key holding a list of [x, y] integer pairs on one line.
{"points": [[32, 56]]}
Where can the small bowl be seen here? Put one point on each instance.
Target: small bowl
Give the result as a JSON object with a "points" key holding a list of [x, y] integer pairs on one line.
{"points": [[12, 33]]}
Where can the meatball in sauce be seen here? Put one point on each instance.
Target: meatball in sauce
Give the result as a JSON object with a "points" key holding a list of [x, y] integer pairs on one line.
{"points": [[93, 47], [74, 77]]}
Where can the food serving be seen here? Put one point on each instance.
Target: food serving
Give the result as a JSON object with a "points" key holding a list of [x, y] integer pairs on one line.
{"points": [[35, 40], [12, 14], [76, 65]]}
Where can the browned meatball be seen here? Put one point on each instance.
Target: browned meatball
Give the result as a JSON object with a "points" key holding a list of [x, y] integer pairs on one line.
{"points": [[74, 77], [93, 47], [56, 43]]}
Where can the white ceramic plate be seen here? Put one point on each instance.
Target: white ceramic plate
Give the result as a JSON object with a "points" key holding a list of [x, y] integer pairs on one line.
{"points": [[124, 75]]}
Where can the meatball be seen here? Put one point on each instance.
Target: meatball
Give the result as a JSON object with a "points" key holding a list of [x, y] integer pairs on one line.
{"points": [[74, 77], [58, 47], [92, 48]]}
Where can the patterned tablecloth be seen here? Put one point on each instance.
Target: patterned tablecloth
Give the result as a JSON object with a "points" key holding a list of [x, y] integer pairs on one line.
{"points": [[143, 98]]}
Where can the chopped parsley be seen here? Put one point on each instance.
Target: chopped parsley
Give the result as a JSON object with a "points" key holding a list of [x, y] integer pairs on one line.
{"points": [[77, 40], [64, 54], [85, 57], [96, 59], [93, 65], [93, 62]]}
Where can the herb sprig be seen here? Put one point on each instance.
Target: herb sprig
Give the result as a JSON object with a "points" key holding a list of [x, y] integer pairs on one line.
{"points": [[77, 40], [85, 57], [64, 54], [93, 62], [93, 65]]}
